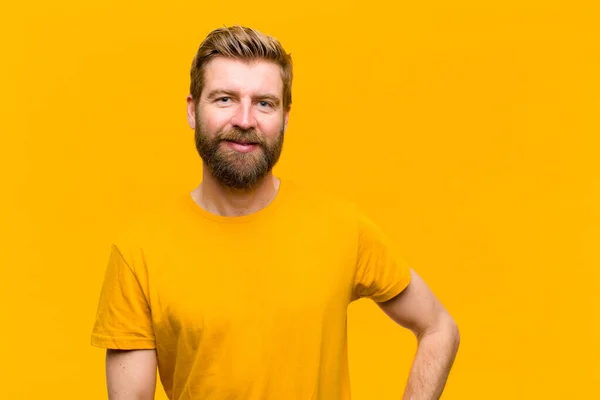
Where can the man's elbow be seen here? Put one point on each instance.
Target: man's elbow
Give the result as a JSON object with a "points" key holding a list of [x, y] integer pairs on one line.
{"points": [[454, 333], [445, 328], [449, 329]]}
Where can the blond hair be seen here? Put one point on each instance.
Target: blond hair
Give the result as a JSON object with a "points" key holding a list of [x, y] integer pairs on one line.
{"points": [[239, 42]]}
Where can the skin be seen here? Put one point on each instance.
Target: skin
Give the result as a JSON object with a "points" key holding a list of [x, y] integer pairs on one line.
{"points": [[233, 98], [438, 338], [245, 86], [131, 374]]}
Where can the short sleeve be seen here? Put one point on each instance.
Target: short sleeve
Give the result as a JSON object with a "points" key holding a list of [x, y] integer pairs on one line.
{"points": [[380, 273], [123, 318]]}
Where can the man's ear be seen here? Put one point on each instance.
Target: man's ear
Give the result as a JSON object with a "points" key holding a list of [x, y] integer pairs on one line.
{"points": [[286, 117], [191, 111]]}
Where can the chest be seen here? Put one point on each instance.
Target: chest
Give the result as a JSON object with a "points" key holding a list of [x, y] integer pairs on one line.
{"points": [[227, 282]]}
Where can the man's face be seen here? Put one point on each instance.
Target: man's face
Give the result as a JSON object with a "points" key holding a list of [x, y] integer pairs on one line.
{"points": [[239, 122]]}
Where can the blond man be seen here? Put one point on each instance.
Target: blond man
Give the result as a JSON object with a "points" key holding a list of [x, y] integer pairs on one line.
{"points": [[238, 289]]}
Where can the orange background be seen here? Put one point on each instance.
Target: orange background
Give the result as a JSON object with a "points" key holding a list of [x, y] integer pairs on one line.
{"points": [[467, 129]]}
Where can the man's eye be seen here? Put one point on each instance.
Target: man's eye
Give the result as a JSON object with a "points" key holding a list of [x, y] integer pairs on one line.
{"points": [[264, 104], [223, 99]]}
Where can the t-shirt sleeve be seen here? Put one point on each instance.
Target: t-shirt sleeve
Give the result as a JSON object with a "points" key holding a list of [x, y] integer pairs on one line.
{"points": [[380, 273], [123, 318]]}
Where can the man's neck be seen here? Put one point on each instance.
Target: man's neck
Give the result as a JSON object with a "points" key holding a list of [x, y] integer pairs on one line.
{"points": [[220, 200]]}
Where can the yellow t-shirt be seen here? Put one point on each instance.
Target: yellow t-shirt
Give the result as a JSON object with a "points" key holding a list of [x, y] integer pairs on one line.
{"points": [[250, 307]]}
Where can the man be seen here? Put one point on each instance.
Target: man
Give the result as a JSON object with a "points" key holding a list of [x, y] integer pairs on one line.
{"points": [[239, 289]]}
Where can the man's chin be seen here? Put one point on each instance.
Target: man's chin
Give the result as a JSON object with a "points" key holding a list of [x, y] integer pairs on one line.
{"points": [[241, 169], [241, 181]]}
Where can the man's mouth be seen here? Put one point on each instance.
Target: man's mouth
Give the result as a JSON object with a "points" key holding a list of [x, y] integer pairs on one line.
{"points": [[244, 142], [241, 146]]}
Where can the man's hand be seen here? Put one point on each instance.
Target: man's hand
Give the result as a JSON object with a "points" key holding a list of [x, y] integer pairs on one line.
{"points": [[131, 374], [417, 309]]}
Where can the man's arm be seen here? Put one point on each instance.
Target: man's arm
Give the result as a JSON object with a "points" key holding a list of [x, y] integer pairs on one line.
{"points": [[131, 374], [417, 309]]}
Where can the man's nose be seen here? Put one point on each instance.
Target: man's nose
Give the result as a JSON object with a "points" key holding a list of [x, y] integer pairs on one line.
{"points": [[244, 117]]}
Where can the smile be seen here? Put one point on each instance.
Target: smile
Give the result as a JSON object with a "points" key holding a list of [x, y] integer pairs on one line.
{"points": [[242, 147]]}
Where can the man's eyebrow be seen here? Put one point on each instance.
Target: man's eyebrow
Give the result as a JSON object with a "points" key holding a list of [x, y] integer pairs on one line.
{"points": [[220, 92]]}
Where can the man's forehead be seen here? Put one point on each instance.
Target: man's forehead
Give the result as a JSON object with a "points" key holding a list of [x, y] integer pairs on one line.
{"points": [[243, 76]]}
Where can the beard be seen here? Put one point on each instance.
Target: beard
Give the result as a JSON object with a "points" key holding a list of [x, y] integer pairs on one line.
{"points": [[233, 169]]}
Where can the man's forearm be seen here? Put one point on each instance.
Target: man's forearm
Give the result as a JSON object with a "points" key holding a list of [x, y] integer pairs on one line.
{"points": [[435, 355]]}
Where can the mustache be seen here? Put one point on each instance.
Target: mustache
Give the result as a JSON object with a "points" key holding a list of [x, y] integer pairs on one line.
{"points": [[242, 136]]}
